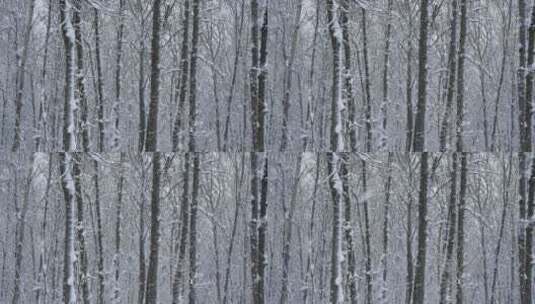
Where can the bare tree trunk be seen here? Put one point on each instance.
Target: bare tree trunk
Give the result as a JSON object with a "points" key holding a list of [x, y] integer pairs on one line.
{"points": [[386, 223], [185, 216], [80, 71], [460, 77], [69, 290], [20, 214], [367, 242], [151, 296], [184, 75], [118, 66], [367, 91], [460, 230], [80, 229], [237, 191], [193, 225], [386, 63], [151, 144], [419, 123], [452, 68], [287, 232], [21, 71], [142, 127], [451, 227], [118, 217], [100, 249], [234, 73], [419, 278], [100, 82], [352, 279], [142, 276], [288, 72], [506, 176]]}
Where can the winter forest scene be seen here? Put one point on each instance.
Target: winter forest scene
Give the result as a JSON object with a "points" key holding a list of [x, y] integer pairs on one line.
{"points": [[267, 151]]}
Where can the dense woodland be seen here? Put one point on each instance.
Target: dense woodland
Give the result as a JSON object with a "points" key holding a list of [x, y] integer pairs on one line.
{"points": [[267, 151], [410, 68]]}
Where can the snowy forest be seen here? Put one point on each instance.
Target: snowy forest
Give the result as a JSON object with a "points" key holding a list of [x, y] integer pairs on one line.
{"points": [[267, 151]]}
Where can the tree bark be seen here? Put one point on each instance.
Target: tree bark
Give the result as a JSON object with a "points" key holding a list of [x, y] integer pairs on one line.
{"points": [[151, 144], [21, 71], [419, 277], [152, 275], [419, 123]]}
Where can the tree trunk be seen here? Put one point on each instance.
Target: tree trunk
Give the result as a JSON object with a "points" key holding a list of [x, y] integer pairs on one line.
{"points": [[21, 71], [193, 225], [460, 77], [80, 229], [100, 82], [367, 91], [452, 67], [118, 66], [460, 230], [419, 123], [386, 223], [118, 217], [182, 84], [151, 144], [152, 275], [185, 216], [386, 63], [419, 278], [20, 214], [336, 189], [451, 227], [100, 249]]}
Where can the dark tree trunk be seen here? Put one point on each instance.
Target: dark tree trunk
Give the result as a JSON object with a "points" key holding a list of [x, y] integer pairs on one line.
{"points": [[419, 123], [419, 277], [151, 144], [152, 275]]}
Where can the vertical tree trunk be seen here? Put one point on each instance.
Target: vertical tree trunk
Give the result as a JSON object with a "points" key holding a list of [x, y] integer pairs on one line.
{"points": [[80, 71], [193, 226], [419, 123], [20, 214], [348, 79], [69, 290], [452, 67], [100, 249], [69, 144], [460, 230], [151, 144], [288, 73], [185, 216], [142, 127], [348, 235], [386, 63], [118, 217], [152, 275], [386, 223], [451, 227], [118, 66], [419, 278], [367, 243], [367, 91], [182, 86], [192, 147], [100, 82], [460, 77], [287, 232], [80, 229], [336, 189], [21, 71], [142, 276]]}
